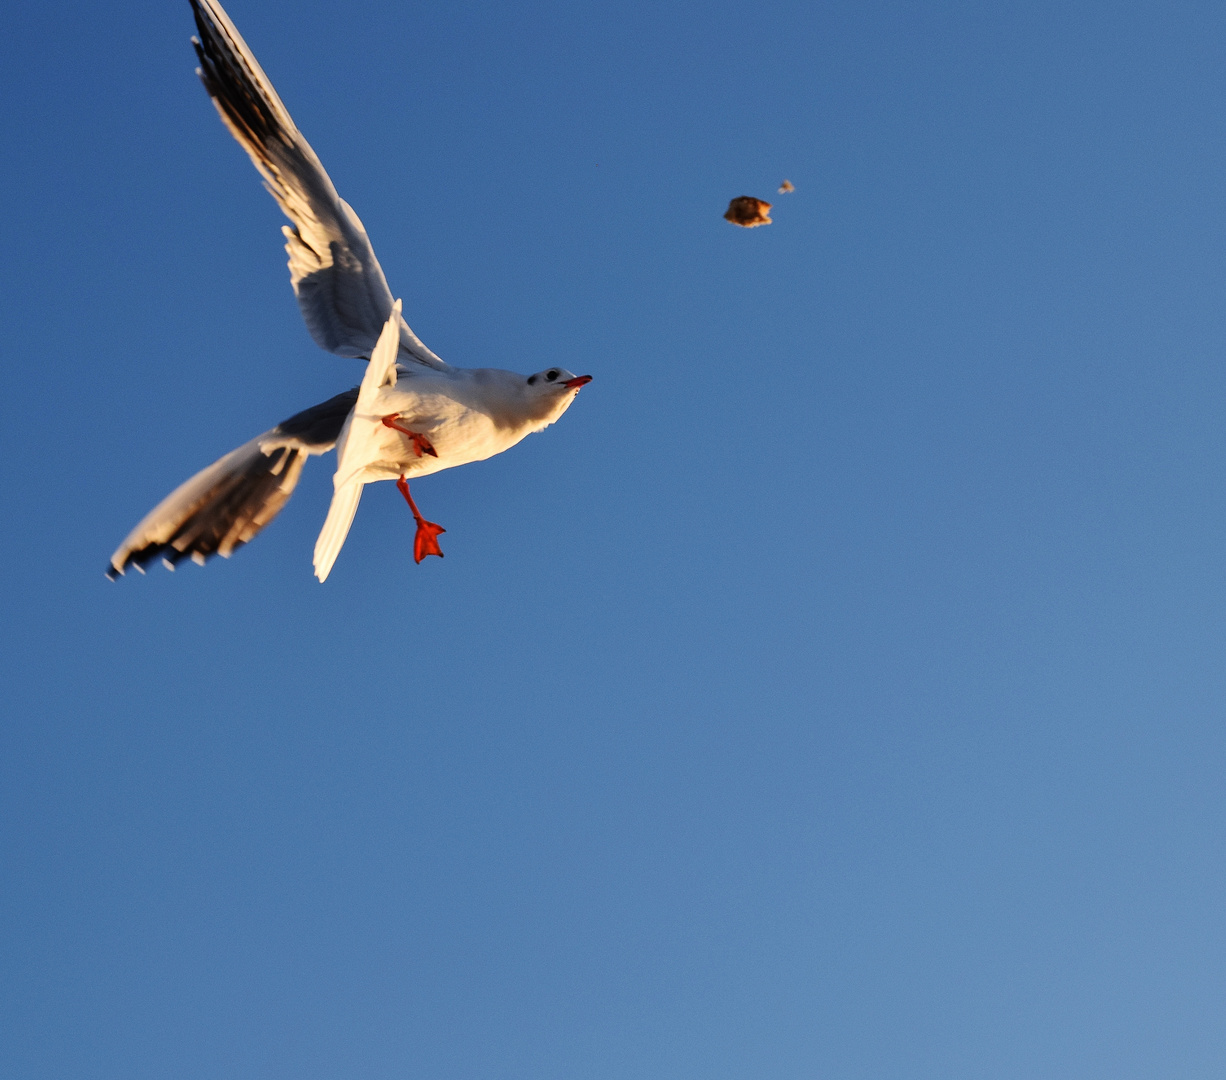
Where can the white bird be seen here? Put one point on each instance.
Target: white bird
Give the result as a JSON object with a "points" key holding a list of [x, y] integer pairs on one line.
{"points": [[412, 415]]}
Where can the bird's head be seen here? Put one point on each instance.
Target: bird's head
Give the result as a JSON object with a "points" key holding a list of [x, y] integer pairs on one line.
{"points": [[539, 399], [555, 382]]}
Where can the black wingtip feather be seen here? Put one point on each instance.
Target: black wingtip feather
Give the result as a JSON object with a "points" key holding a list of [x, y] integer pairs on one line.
{"points": [[230, 84]]}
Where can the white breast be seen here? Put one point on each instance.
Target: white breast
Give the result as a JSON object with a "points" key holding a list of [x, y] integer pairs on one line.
{"points": [[459, 432]]}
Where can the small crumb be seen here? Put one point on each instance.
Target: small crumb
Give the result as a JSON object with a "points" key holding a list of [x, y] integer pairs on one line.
{"points": [[748, 212], [786, 186]]}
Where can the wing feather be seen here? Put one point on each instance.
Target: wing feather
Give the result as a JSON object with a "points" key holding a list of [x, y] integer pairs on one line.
{"points": [[341, 290], [222, 507]]}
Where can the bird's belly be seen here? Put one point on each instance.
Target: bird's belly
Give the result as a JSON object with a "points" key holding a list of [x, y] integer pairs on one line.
{"points": [[457, 433]]}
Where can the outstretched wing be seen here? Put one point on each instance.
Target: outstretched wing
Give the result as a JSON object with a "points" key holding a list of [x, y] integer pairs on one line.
{"points": [[340, 286], [222, 507]]}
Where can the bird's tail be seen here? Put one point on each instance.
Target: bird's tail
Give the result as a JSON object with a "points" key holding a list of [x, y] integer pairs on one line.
{"points": [[380, 372], [345, 501]]}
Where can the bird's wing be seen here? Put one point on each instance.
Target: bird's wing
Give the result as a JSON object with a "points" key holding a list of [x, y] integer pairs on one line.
{"points": [[222, 507], [340, 286], [353, 451]]}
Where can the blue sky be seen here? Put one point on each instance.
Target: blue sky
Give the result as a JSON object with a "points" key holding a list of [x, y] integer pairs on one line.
{"points": [[837, 691]]}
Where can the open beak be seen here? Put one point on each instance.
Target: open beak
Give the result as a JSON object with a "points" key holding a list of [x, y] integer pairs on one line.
{"points": [[577, 381]]}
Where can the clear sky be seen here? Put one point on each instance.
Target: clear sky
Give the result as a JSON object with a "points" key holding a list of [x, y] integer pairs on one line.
{"points": [[837, 691]]}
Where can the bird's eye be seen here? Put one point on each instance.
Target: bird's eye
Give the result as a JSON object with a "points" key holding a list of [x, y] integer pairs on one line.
{"points": [[531, 380], [551, 375]]}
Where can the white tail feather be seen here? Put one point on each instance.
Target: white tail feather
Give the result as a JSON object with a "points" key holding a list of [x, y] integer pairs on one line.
{"points": [[381, 369], [349, 477], [345, 501]]}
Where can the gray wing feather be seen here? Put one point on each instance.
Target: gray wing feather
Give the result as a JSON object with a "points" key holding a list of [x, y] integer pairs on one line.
{"points": [[340, 286], [222, 507]]}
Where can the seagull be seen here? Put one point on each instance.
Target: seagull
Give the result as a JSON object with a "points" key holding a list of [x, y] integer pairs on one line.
{"points": [[412, 415]]}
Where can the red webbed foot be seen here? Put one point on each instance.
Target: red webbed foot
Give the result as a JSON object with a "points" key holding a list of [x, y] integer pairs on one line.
{"points": [[419, 442], [425, 542]]}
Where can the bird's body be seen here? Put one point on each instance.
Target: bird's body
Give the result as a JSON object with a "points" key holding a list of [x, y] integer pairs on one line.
{"points": [[468, 414], [411, 423], [413, 415]]}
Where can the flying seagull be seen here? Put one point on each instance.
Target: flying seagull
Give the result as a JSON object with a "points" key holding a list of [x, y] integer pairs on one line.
{"points": [[412, 415]]}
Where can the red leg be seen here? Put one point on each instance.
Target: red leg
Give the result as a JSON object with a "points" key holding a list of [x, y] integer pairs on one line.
{"points": [[425, 542], [420, 443]]}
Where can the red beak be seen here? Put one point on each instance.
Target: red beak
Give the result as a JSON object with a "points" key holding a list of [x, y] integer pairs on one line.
{"points": [[577, 381]]}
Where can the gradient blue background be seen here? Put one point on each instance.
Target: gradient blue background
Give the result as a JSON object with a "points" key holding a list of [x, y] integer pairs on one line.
{"points": [[838, 691]]}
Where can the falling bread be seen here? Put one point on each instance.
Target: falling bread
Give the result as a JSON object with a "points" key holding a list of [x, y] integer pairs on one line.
{"points": [[747, 212]]}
